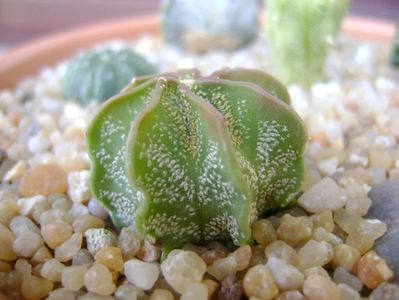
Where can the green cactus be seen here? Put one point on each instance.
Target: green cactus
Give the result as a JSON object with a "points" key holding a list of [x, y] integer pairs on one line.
{"points": [[395, 48], [300, 33], [192, 159], [202, 25], [100, 74]]}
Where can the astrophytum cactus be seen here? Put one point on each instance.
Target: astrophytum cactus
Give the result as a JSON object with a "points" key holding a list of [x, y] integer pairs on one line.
{"points": [[300, 33], [203, 25], [187, 158], [97, 75]]}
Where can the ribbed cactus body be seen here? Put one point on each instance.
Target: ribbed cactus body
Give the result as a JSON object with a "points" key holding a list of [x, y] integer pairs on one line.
{"points": [[193, 159], [100, 74], [202, 25], [300, 33]]}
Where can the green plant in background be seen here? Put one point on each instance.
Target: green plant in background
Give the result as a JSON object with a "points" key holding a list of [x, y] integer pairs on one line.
{"points": [[192, 159], [202, 25], [395, 48], [98, 75], [300, 33]]}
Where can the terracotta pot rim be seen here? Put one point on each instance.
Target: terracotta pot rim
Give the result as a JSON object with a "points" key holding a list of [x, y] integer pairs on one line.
{"points": [[27, 60]]}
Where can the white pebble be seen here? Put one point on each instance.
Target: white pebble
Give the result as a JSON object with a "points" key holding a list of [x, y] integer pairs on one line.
{"points": [[77, 210], [38, 143], [197, 291], [141, 274], [182, 268], [15, 172], [27, 243], [79, 186], [20, 224], [27, 204], [324, 195], [96, 209], [286, 276], [69, 248]]}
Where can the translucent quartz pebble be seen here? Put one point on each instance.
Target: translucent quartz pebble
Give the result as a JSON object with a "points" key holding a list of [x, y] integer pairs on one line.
{"points": [[98, 279], [286, 276], [82, 257], [385, 207], [341, 275], [280, 249], [345, 256], [263, 232], [79, 186], [61, 293], [290, 295], [196, 291], [36, 288], [21, 223], [96, 209], [259, 282], [94, 296], [6, 240], [182, 268], [242, 256], [129, 292], [141, 274], [348, 293], [129, 241], [223, 267], [160, 294], [111, 257], [27, 243], [314, 254], [372, 228], [84, 222], [324, 195], [52, 270], [294, 230], [56, 233], [69, 248], [320, 288], [72, 277], [43, 180]]}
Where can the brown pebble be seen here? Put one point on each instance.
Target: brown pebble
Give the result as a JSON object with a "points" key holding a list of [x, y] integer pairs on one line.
{"points": [[373, 270], [210, 256], [43, 180], [230, 289]]}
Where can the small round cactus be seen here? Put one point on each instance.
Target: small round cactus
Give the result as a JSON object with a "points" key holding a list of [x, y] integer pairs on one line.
{"points": [[202, 25], [193, 159], [100, 74]]}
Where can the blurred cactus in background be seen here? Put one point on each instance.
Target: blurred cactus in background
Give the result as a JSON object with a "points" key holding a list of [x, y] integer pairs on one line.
{"points": [[395, 48], [300, 33], [202, 25], [97, 75]]}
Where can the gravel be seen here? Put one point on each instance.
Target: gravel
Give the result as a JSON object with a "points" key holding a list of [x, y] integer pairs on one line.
{"points": [[340, 242]]}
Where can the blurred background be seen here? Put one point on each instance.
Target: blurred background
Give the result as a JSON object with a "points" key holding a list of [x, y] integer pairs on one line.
{"points": [[24, 20]]}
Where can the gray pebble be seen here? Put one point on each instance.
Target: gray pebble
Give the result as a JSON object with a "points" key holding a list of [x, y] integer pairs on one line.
{"points": [[385, 206], [386, 291], [385, 203]]}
